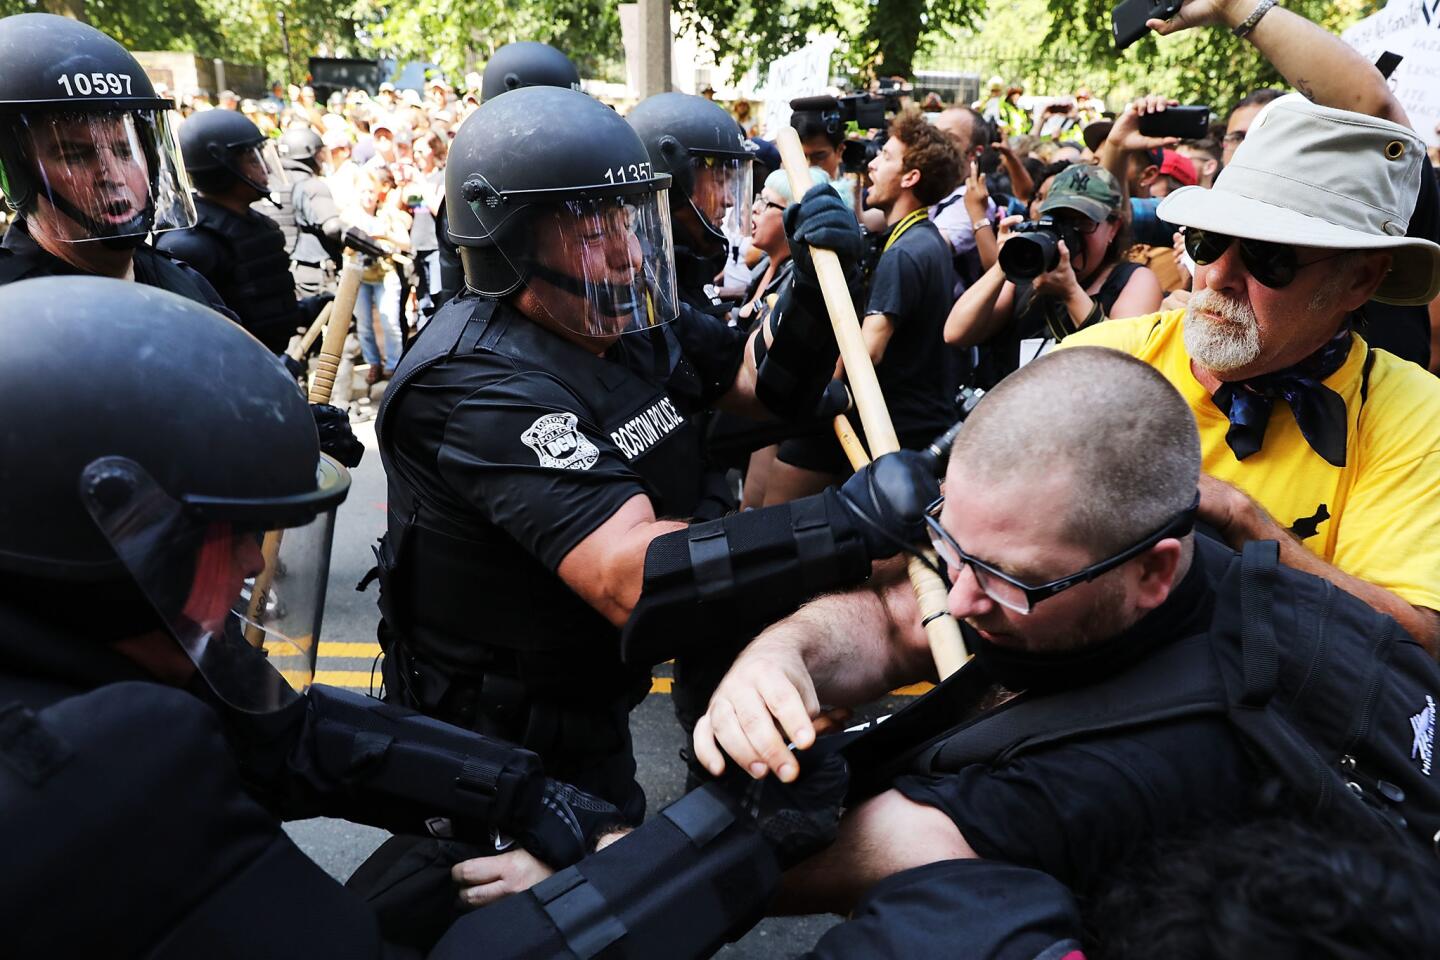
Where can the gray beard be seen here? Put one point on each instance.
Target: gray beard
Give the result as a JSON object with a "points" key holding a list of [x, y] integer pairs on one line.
{"points": [[1220, 346]]}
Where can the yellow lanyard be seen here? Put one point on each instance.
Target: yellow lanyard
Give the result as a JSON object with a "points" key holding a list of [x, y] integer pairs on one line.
{"points": [[906, 222]]}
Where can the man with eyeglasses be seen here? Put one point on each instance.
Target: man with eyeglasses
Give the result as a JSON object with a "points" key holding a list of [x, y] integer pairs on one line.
{"points": [[1311, 436], [1065, 531]]}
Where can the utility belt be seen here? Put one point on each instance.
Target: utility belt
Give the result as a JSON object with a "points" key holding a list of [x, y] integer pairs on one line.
{"points": [[498, 704]]}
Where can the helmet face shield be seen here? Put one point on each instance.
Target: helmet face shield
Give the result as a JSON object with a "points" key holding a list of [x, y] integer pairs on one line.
{"points": [[722, 195], [601, 267], [244, 604], [102, 175]]}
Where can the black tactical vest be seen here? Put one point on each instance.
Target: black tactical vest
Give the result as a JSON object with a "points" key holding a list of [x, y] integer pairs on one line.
{"points": [[254, 278], [463, 604]]}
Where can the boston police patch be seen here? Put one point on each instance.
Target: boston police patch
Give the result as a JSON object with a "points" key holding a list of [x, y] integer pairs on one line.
{"points": [[559, 444]]}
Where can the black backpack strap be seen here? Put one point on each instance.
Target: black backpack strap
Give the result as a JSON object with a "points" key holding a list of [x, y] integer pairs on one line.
{"points": [[1259, 565]]}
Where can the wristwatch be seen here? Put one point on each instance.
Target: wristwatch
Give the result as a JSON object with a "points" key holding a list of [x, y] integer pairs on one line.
{"points": [[1243, 30]]}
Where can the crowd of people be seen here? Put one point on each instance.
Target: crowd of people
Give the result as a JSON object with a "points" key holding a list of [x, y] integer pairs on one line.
{"points": [[1168, 429]]}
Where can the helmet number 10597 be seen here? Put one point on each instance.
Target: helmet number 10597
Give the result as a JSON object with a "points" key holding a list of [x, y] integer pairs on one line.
{"points": [[628, 172], [86, 84]]}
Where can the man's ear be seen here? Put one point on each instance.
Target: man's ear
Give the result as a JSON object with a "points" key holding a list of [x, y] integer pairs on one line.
{"points": [[1158, 568], [1148, 175], [909, 179], [1371, 269]]}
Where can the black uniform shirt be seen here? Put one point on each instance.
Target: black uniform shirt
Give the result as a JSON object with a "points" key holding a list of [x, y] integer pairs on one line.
{"points": [[504, 455], [1078, 808], [21, 258], [911, 284]]}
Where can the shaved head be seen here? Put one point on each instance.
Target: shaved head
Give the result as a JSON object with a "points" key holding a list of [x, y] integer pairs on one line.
{"points": [[1108, 423]]}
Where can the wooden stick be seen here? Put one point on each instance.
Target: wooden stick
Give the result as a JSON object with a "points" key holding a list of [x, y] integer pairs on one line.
{"points": [[946, 644], [340, 312], [302, 346]]}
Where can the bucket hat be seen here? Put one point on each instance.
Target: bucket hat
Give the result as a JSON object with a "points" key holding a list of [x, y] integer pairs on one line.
{"points": [[1314, 176]]}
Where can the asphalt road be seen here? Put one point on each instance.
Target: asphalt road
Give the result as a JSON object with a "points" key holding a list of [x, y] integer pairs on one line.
{"points": [[348, 653]]}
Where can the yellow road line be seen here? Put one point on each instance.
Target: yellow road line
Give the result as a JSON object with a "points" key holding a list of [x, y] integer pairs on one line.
{"points": [[361, 679], [337, 648]]}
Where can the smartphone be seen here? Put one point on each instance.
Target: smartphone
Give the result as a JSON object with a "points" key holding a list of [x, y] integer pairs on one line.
{"points": [[1127, 20], [1187, 123]]}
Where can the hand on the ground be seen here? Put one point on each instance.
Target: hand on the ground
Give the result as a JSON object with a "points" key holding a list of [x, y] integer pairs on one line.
{"points": [[766, 699], [485, 880]]}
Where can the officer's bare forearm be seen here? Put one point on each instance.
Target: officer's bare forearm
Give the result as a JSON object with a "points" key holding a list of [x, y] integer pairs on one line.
{"points": [[862, 643], [607, 568]]}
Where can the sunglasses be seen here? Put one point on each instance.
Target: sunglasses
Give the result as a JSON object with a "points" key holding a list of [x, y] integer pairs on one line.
{"points": [[1273, 264], [1021, 597]]}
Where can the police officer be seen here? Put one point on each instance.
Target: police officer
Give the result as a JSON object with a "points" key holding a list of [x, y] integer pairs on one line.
{"points": [[88, 160], [700, 145], [240, 251], [146, 742], [524, 63], [531, 439]]}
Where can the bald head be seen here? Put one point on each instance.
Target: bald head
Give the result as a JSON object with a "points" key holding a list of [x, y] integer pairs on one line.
{"points": [[1112, 425], [966, 127]]}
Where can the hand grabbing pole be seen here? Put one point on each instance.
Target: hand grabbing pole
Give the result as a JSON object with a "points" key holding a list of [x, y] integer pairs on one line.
{"points": [[946, 645]]}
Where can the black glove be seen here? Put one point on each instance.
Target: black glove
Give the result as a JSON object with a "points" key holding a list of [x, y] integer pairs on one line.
{"points": [[821, 218], [336, 437], [796, 819], [310, 307], [565, 826], [888, 498], [357, 239], [296, 368]]}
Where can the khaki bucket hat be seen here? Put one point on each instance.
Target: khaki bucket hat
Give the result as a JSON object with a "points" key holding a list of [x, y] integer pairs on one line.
{"points": [[1314, 176]]}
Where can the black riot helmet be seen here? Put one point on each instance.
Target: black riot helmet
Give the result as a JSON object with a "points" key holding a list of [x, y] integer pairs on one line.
{"points": [[131, 470], [299, 142], [703, 149], [514, 66], [87, 150], [218, 146], [572, 210], [527, 64]]}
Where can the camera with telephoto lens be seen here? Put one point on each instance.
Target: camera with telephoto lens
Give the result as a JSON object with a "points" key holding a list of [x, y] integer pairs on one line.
{"points": [[1035, 248], [868, 111]]}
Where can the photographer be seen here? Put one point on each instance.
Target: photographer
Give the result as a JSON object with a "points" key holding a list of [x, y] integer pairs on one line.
{"points": [[822, 135], [910, 293], [1087, 280]]}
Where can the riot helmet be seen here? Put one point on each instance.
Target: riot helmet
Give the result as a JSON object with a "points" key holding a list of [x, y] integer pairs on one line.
{"points": [[134, 472], [221, 147], [573, 211], [703, 149], [87, 148], [299, 142], [527, 64], [514, 66]]}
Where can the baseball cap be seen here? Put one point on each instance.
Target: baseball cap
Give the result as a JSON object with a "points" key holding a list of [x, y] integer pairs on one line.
{"points": [[1316, 176], [1084, 188], [1178, 167]]}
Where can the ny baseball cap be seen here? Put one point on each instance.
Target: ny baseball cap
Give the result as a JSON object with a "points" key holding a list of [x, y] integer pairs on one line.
{"points": [[1084, 188]]}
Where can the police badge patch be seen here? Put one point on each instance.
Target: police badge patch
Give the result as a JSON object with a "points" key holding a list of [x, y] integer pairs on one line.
{"points": [[559, 444]]}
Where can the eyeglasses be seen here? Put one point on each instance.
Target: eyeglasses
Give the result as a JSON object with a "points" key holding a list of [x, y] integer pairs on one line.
{"points": [[1083, 225], [1236, 136], [1273, 264], [761, 205], [1021, 597]]}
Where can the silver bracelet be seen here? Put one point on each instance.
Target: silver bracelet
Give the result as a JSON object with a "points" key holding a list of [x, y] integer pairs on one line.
{"points": [[980, 224], [1243, 30]]}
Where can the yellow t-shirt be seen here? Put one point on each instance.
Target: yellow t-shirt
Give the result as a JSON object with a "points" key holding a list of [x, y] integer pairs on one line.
{"points": [[1378, 517]]}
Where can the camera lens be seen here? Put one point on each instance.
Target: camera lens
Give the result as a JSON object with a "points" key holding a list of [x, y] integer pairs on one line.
{"points": [[1027, 255]]}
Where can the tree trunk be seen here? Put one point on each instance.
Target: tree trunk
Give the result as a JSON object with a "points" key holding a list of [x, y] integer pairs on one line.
{"points": [[73, 9]]}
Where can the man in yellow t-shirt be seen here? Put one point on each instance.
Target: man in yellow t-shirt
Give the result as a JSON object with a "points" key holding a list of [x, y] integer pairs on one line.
{"points": [[1332, 442]]}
